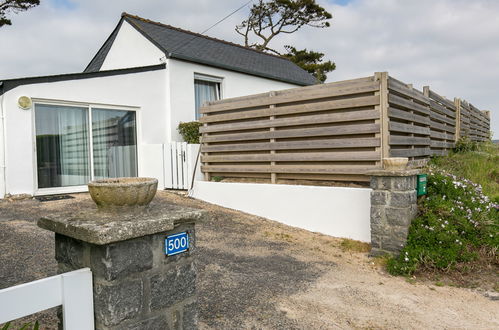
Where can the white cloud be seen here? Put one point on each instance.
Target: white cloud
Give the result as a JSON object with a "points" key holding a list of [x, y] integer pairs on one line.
{"points": [[451, 45]]}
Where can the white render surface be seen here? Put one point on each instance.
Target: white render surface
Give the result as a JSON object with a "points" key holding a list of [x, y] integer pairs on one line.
{"points": [[142, 92], [130, 49], [335, 211]]}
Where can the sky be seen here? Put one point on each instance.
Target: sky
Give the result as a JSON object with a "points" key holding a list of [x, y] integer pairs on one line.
{"points": [[450, 45]]}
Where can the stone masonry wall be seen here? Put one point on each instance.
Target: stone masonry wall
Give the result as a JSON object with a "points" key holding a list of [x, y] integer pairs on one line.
{"points": [[393, 206], [135, 285]]}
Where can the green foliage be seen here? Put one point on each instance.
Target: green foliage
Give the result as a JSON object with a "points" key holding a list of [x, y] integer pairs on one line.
{"points": [[480, 165], [217, 178], [464, 144], [310, 61], [456, 220], [14, 6], [190, 131]]}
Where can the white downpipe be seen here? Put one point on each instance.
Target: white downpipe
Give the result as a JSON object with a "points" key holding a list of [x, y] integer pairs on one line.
{"points": [[3, 177]]}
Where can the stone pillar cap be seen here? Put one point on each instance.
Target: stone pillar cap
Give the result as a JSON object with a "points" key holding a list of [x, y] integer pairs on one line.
{"points": [[380, 172], [103, 227]]}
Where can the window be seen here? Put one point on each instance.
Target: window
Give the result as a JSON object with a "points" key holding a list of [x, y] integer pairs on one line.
{"points": [[206, 89], [64, 135]]}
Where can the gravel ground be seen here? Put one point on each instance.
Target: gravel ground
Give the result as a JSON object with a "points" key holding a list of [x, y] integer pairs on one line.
{"points": [[259, 274]]}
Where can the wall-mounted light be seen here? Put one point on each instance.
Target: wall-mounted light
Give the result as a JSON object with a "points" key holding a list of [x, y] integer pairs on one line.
{"points": [[25, 102]]}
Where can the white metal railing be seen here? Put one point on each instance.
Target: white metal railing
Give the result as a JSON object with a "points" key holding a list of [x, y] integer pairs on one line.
{"points": [[72, 290]]}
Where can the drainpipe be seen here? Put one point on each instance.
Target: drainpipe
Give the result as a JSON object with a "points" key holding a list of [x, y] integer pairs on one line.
{"points": [[3, 177]]}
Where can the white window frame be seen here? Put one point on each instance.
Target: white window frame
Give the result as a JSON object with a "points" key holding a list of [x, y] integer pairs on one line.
{"points": [[89, 106], [208, 78]]}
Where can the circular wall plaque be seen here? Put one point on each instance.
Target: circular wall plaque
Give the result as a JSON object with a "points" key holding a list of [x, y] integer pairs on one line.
{"points": [[25, 102]]}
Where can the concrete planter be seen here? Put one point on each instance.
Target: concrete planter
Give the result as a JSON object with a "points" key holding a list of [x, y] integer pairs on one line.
{"points": [[123, 191]]}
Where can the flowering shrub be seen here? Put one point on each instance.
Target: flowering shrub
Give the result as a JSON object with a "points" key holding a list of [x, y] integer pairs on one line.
{"points": [[456, 220]]}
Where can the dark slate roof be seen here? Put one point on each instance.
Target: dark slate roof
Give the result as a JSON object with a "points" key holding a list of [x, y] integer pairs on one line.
{"points": [[8, 84], [185, 45]]}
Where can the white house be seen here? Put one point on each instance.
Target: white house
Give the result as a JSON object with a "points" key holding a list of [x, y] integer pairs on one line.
{"points": [[59, 132]]}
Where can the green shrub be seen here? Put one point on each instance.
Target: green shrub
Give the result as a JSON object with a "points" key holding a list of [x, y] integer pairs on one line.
{"points": [[464, 144], [455, 221], [190, 131]]}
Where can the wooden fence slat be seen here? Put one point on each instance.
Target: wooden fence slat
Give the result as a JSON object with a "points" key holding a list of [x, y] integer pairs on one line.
{"points": [[442, 100], [294, 121], [285, 169], [401, 88], [354, 88], [290, 145], [295, 157], [294, 133], [405, 128], [409, 140], [404, 115], [410, 152], [295, 109], [407, 104]]}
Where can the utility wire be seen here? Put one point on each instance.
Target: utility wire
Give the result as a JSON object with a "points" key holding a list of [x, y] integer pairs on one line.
{"points": [[220, 21]]}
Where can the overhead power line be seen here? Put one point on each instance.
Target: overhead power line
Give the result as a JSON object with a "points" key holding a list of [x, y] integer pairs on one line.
{"points": [[220, 21]]}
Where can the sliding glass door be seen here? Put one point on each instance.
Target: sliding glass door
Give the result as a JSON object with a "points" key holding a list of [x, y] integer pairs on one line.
{"points": [[77, 144]]}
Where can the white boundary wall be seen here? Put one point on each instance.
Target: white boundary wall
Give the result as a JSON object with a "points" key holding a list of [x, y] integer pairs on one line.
{"points": [[336, 211]]}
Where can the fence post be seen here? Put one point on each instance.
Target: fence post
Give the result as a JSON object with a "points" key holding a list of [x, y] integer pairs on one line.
{"points": [[273, 175], [382, 77], [457, 103]]}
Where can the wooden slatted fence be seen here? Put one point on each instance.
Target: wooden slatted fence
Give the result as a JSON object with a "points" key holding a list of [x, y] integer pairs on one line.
{"points": [[332, 132], [322, 132]]}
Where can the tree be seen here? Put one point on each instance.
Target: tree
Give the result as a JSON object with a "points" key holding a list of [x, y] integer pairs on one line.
{"points": [[268, 19], [310, 61], [14, 6]]}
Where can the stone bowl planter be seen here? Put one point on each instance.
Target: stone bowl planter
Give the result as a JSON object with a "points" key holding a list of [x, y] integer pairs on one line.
{"points": [[121, 192], [395, 163]]}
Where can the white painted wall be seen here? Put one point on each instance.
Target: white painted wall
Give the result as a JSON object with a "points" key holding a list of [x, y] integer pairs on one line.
{"points": [[335, 211], [234, 84], [130, 49], [143, 91]]}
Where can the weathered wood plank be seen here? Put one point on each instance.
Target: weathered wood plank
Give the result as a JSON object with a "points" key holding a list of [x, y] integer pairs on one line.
{"points": [[292, 145], [356, 102], [398, 101], [442, 127], [441, 135], [441, 118], [409, 140], [441, 109], [299, 95], [322, 169], [294, 121], [405, 128], [404, 115], [293, 133], [410, 152], [441, 144], [295, 157], [442, 100], [401, 88]]}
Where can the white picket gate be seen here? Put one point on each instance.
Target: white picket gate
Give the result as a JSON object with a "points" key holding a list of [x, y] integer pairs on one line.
{"points": [[176, 166], [72, 290]]}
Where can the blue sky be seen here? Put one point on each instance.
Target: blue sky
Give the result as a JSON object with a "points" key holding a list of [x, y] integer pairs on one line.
{"points": [[451, 45]]}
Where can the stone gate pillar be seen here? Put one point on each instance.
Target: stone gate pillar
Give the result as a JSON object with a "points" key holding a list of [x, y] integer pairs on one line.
{"points": [[393, 206], [135, 285]]}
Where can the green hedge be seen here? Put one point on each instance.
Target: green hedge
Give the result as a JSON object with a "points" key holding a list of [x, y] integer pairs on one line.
{"points": [[190, 131]]}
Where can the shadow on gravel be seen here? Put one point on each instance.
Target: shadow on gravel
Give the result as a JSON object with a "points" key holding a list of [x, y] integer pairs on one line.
{"points": [[234, 289]]}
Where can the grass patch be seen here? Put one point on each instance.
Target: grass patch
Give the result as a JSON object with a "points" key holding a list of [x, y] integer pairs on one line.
{"points": [[354, 246], [479, 164]]}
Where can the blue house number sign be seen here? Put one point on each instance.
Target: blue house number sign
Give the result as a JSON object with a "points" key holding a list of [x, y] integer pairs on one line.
{"points": [[175, 244]]}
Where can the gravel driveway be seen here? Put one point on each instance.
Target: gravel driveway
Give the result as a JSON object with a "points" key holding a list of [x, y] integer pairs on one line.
{"points": [[258, 274]]}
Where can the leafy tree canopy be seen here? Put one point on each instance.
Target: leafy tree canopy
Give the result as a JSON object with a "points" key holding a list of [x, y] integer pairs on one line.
{"points": [[14, 6], [267, 19], [310, 61]]}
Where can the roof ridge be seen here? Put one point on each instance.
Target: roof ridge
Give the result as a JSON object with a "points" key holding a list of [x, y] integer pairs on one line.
{"points": [[125, 14]]}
